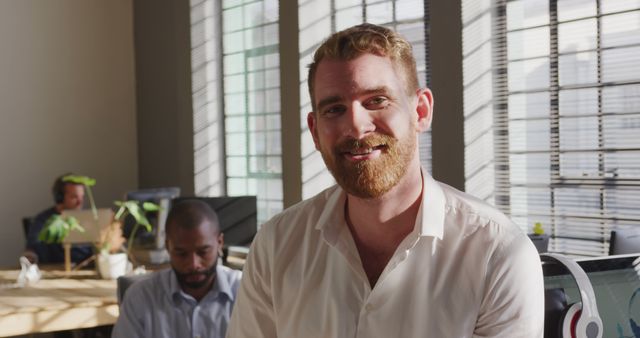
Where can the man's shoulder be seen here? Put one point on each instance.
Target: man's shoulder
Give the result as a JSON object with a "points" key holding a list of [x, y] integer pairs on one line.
{"points": [[462, 203], [151, 286], [230, 275], [43, 215]]}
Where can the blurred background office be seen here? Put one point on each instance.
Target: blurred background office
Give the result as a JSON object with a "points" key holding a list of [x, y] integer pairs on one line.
{"points": [[537, 107]]}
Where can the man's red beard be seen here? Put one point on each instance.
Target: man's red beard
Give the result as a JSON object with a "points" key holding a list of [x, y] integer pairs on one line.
{"points": [[370, 178]]}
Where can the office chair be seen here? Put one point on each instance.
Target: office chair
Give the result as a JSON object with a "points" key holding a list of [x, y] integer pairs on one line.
{"points": [[124, 282], [26, 224]]}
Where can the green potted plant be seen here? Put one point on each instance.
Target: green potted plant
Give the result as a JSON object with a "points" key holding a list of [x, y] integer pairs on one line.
{"points": [[112, 261]]}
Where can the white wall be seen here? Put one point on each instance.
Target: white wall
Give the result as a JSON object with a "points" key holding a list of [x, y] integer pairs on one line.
{"points": [[67, 103]]}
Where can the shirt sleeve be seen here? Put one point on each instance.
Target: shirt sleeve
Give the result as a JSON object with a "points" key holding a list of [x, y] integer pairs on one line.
{"points": [[513, 304], [253, 312], [129, 324]]}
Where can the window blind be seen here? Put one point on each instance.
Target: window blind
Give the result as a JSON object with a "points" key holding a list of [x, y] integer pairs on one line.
{"points": [[560, 119]]}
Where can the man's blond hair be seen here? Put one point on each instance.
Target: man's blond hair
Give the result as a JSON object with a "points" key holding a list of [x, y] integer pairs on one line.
{"points": [[367, 39]]}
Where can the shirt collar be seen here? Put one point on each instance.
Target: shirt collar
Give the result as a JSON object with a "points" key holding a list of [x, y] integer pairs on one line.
{"points": [[429, 221], [221, 285]]}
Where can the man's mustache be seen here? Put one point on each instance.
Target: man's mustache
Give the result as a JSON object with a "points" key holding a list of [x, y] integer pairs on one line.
{"points": [[370, 141]]}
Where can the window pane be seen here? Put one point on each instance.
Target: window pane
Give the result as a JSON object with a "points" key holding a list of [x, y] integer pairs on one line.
{"points": [[530, 105], [579, 102], [578, 133], [529, 74], [381, 13], [579, 68], [621, 29], [528, 135], [527, 13], [621, 64], [577, 35], [348, 17], [409, 9], [528, 43], [575, 9]]}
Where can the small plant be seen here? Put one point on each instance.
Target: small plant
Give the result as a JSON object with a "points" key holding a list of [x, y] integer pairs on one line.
{"points": [[57, 228], [110, 241]]}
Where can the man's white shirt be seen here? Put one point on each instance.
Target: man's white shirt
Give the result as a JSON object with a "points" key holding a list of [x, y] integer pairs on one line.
{"points": [[465, 271]]}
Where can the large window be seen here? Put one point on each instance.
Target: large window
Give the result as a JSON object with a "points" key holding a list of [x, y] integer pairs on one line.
{"points": [[552, 115]]}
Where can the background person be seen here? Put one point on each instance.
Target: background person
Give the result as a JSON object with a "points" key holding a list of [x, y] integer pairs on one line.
{"points": [[388, 251], [195, 297], [66, 196]]}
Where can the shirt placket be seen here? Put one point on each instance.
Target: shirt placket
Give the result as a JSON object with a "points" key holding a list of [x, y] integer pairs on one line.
{"points": [[372, 301], [196, 326]]}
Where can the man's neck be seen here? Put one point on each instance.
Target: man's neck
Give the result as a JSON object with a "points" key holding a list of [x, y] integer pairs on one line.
{"points": [[379, 225]]}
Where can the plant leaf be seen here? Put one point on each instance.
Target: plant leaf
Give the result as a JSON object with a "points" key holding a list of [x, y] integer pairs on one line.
{"points": [[79, 179], [74, 224], [55, 230], [149, 206]]}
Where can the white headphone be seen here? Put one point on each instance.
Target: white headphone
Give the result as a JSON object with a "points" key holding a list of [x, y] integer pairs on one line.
{"points": [[581, 319]]}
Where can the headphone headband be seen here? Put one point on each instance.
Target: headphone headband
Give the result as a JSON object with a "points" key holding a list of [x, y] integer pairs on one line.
{"points": [[589, 318]]}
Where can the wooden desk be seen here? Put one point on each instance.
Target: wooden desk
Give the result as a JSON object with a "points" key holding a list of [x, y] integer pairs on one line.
{"points": [[59, 301]]}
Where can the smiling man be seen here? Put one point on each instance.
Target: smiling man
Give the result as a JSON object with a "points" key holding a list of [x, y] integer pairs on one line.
{"points": [[388, 251], [195, 297]]}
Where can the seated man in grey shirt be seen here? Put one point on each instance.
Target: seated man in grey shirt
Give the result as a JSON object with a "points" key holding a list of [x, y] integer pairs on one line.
{"points": [[195, 297]]}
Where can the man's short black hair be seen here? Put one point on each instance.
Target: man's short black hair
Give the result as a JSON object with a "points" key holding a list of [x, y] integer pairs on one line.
{"points": [[190, 214], [58, 188]]}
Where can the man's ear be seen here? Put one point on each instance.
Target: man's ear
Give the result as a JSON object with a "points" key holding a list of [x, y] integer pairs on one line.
{"points": [[312, 123], [424, 109]]}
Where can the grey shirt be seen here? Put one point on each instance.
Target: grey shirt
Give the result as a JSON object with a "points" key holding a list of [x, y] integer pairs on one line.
{"points": [[157, 307]]}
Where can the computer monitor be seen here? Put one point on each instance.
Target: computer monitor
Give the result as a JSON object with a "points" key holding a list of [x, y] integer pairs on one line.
{"points": [[238, 216], [156, 238], [617, 288], [624, 241], [92, 224]]}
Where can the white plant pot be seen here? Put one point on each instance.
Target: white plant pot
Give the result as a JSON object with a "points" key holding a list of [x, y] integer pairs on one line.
{"points": [[112, 266]]}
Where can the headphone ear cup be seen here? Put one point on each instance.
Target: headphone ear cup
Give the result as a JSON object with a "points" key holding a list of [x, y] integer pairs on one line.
{"points": [[634, 328], [569, 320]]}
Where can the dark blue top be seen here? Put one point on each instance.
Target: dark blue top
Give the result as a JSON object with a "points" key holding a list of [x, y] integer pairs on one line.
{"points": [[52, 253]]}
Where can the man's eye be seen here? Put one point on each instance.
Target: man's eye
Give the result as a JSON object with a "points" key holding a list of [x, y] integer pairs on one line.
{"points": [[377, 102], [204, 252], [333, 110]]}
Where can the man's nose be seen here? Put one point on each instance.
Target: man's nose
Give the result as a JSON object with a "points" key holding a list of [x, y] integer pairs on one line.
{"points": [[359, 121], [194, 262]]}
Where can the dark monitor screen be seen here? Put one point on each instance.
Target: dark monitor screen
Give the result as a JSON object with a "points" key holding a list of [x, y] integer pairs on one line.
{"points": [[161, 196], [625, 241], [615, 283], [238, 216]]}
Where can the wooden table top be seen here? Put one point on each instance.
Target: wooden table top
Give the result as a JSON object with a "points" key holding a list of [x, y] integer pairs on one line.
{"points": [[59, 301]]}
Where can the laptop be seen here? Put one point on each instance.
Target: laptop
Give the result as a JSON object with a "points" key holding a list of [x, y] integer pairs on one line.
{"points": [[617, 288], [91, 225]]}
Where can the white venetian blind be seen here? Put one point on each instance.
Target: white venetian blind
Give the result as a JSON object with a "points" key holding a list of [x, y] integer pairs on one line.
{"points": [[562, 116]]}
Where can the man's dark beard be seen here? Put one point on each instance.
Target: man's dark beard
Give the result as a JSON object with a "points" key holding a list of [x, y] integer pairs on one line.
{"points": [[182, 277]]}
